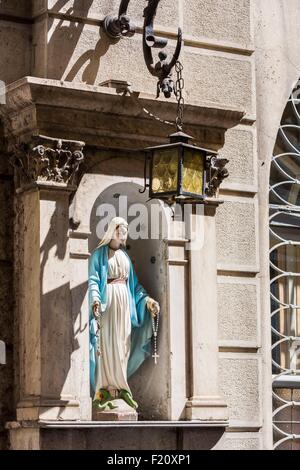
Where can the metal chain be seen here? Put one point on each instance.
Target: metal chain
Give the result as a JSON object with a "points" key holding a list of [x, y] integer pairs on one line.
{"points": [[179, 95], [146, 111], [179, 86], [157, 118]]}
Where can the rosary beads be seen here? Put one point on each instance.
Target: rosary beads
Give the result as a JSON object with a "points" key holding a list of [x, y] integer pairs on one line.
{"points": [[155, 323]]}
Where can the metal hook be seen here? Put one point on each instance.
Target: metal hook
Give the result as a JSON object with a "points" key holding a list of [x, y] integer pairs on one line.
{"points": [[149, 15], [118, 26], [162, 69]]}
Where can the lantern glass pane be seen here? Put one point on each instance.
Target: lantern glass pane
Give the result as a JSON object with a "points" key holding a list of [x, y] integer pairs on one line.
{"points": [[193, 171], [165, 171]]}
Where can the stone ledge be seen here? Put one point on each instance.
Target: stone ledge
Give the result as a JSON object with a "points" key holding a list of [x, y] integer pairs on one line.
{"points": [[287, 381], [135, 424], [47, 186], [102, 117], [115, 424]]}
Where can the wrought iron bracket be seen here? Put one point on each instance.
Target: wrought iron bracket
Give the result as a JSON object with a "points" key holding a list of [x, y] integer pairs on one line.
{"points": [[163, 68], [121, 25], [216, 174]]}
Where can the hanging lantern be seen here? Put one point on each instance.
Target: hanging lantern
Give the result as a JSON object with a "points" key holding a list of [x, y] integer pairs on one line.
{"points": [[178, 170]]}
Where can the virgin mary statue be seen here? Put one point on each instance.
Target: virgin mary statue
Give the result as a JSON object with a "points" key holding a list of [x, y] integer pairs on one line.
{"points": [[120, 319]]}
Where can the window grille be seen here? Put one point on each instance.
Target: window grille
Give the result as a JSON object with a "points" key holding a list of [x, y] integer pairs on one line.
{"points": [[284, 204]]}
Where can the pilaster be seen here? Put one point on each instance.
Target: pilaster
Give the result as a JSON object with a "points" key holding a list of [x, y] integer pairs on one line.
{"points": [[46, 171]]}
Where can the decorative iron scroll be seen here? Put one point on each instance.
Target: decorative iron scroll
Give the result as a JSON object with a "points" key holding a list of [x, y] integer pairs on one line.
{"points": [[216, 174], [164, 67], [121, 26], [118, 26]]}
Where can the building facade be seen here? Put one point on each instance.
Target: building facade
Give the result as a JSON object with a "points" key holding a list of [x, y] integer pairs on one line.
{"points": [[65, 94]]}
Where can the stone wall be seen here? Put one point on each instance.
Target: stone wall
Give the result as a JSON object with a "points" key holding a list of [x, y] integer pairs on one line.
{"points": [[15, 39]]}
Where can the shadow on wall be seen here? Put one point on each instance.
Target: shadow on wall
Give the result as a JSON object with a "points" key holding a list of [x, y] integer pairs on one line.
{"points": [[89, 62], [57, 323], [67, 33]]}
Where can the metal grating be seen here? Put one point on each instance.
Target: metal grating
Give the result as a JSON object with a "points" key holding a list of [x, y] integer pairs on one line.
{"points": [[285, 276]]}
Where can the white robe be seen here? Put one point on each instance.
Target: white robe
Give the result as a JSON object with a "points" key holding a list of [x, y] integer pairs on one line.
{"points": [[111, 369]]}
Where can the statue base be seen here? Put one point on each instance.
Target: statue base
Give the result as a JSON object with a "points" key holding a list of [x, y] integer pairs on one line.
{"points": [[123, 412]]}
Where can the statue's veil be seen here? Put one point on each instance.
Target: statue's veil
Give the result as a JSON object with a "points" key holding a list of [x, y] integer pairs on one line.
{"points": [[114, 223]]}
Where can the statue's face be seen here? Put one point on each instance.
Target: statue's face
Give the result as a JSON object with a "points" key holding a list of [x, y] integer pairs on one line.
{"points": [[120, 237]]}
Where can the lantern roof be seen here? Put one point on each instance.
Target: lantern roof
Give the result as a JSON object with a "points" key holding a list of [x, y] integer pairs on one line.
{"points": [[180, 137]]}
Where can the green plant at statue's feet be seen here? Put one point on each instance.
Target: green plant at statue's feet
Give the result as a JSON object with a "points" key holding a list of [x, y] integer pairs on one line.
{"points": [[103, 399], [127, 397]]}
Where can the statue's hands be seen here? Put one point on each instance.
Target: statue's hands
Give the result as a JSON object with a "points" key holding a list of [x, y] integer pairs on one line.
{"points": [[153, 307], [96, 309]]}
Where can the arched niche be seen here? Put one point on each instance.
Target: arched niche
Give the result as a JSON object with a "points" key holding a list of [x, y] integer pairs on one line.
{"points": [[148, 256]]}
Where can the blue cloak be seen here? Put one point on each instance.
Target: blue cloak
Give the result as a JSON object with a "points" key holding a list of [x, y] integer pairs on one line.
{"points": [[141, 324]]}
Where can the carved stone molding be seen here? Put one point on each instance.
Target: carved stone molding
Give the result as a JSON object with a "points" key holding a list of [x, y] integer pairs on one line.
{"points": [[48, 160], [31, 111], [216, 175]]}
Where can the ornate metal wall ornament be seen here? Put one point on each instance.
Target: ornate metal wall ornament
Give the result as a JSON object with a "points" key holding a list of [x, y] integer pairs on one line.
{"points": [[121, 26], [48, 160], [216, 174], [163, 68], [118, 26]]}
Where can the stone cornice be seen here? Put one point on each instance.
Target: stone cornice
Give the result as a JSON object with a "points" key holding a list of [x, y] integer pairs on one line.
{"points": [[102, 117]]}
